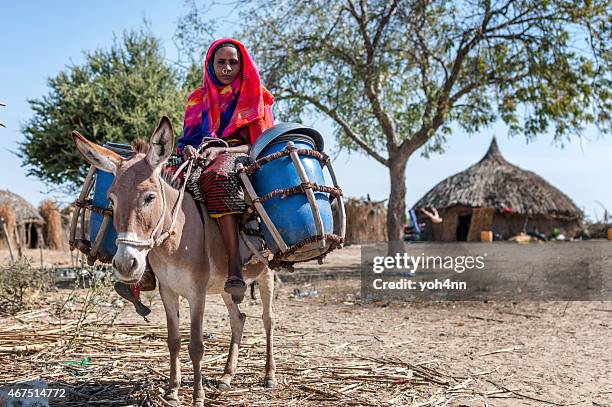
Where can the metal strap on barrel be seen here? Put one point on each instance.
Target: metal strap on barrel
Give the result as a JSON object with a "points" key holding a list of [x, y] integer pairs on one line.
{"points": [[339, 229], [285, 192], [82, 205], [88, 204], [256, 165], [307, 187], [307, 190], [87, 185], [93, 254], [278, 239]]}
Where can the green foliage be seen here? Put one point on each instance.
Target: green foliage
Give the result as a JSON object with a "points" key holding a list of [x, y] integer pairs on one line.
{"points": [[118, 95], [396, 75]]}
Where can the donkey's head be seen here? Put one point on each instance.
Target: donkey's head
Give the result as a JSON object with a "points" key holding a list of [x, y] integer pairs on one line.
{"points": [[136, 196]]}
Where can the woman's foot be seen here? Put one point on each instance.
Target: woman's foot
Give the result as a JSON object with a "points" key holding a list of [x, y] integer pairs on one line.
{"points": [[236, 287]]}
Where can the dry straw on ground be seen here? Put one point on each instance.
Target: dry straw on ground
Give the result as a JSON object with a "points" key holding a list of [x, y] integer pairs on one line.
{"points": [[101, 363], [127, 364], [54, 235]]}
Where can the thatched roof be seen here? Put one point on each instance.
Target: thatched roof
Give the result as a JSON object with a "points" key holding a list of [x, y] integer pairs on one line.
{"points": [[24, 211], [495, 183]]}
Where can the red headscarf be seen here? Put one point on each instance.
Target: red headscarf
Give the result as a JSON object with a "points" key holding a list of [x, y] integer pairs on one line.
{"points": [[205, 105]]}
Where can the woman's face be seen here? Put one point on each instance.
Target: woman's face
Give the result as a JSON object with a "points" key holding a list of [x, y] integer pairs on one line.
{"points": [[227, 64]]}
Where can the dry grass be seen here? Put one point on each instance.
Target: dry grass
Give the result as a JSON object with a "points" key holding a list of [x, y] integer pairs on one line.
{"points": [[22, 285], [101, 362], [54, 234], [6, 213], [366, 221]]}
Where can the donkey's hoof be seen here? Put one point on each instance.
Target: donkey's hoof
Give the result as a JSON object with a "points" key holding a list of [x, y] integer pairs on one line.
{"points": [[171, 398], [198, 403], [269, 383], [223, 386], [171, 402]]}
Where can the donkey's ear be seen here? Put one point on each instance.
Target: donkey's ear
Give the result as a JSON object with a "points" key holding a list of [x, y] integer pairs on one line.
{"points": [[162, 142], [98, 156]]}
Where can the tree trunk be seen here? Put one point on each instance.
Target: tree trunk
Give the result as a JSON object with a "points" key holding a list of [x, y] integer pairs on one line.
{"points": [[396, 210]]}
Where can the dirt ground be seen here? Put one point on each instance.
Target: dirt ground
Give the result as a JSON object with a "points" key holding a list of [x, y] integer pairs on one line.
{"points": [[333, 350]]}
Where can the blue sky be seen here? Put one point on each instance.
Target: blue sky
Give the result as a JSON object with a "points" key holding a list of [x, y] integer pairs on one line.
{"points": [[40, 38]]}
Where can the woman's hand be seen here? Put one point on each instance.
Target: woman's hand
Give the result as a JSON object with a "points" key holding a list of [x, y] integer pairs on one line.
{"points": [[209, 155], [189, 152]]}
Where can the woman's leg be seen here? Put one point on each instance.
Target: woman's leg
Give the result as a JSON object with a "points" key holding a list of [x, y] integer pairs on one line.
{"points": [[235, 283]]}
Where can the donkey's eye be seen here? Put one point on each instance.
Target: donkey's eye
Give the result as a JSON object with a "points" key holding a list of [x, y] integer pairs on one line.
{"points": [[149, 198]]}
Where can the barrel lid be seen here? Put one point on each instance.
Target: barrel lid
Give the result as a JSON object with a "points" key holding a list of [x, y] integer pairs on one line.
{"points": [[281, 129]]}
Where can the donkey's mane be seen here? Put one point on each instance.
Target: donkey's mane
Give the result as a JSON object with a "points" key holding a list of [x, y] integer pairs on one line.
{"points": [[140, 146], [166, 175]]}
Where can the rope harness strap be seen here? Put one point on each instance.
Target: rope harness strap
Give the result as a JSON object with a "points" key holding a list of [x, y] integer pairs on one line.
{"points": [[256, 165]]}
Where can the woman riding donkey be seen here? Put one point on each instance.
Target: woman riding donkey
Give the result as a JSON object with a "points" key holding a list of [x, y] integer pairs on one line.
{"points": [[223, 118]]}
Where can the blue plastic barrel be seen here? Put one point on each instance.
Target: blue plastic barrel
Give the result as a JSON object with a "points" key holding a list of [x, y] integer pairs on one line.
{"points": [[107, 246], [292, 215], [104, 180]]}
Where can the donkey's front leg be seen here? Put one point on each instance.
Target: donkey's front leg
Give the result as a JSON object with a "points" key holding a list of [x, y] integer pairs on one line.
{"points": [[171, 305], [266, 290], [196, 346], [237, 319]]}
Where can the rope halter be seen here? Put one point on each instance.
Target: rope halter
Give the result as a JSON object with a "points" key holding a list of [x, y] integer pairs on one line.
{"points": [[155, 240]]}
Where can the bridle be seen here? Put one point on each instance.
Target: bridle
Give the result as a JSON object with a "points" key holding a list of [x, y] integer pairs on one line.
{"points": [[153, 241]]}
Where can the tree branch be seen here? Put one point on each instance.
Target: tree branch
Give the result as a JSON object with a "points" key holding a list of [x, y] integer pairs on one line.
{"points": [[369, 81], [341, 122]]}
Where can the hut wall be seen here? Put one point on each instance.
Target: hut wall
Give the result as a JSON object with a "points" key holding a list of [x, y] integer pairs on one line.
{"points": [[447, 230], [509, 225], [482, 219], [366, 221]]}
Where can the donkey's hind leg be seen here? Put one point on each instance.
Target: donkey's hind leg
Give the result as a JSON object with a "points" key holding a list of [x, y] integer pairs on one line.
{"points": [[171, 306], [266, 291], [237, 319]]}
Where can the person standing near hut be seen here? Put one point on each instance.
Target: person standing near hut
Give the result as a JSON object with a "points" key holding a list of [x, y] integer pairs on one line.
{"points": [[419, 231], [234, 107]]}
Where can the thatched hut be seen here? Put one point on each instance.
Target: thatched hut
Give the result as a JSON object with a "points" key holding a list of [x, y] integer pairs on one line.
{"points": [[366, 221], [498, 196], [28, 222]]}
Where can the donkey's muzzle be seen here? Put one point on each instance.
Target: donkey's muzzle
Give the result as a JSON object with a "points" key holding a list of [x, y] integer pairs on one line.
{"points": [[128, 265]]}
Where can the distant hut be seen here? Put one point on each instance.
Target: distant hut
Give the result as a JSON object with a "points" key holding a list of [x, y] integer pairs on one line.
{"points": [[366, 221], [28, 222], [498, 196]]}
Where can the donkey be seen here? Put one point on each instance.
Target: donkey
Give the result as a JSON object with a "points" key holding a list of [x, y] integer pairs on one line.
{"points": [[188, 256]]}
